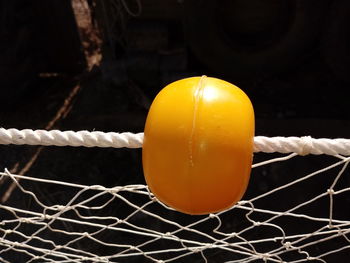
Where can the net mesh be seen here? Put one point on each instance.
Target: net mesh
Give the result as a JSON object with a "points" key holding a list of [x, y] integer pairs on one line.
{"points": [[295, 210]]}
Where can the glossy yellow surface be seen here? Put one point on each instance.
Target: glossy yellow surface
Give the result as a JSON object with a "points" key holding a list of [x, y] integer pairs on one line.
{"points": [[198, 145]]}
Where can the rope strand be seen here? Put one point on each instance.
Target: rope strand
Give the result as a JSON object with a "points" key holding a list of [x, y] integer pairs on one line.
{"points": [[300, 145]]}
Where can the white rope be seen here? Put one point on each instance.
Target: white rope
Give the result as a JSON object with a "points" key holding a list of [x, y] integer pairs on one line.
{"points": [[300, 145], [71, 138]]}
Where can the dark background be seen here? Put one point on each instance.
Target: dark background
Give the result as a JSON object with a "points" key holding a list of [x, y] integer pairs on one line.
{"points": [[291, 57]]}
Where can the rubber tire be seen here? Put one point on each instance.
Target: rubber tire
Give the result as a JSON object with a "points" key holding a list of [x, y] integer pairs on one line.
{"points": [[336, 40], [210, 47]]}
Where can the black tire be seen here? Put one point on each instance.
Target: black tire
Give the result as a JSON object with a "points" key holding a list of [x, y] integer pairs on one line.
{"points": [[211, 47], [16, 62], [336, 40]]}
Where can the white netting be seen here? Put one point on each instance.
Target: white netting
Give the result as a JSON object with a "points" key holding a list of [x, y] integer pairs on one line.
{"points": [[295, 210]]}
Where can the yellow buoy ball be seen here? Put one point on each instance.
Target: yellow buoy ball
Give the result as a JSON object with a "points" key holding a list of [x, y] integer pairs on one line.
{"points": [[198, 145]]}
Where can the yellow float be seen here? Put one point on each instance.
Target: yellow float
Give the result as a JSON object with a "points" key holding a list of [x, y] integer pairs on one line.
{"points": [[198, 145]]}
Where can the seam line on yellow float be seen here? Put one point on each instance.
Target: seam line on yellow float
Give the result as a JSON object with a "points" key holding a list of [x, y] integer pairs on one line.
{"points": [[298, 145], [197, 97]]}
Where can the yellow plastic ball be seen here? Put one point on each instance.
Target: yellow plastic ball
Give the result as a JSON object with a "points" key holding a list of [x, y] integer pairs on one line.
{"points": [[198, 145]]}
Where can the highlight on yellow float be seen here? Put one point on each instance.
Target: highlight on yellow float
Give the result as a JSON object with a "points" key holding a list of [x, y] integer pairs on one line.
{"points": [[198, 145]]}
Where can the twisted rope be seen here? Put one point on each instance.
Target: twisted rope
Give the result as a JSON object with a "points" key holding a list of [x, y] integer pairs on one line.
{"points": [[300, 145], [71, 138]]}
